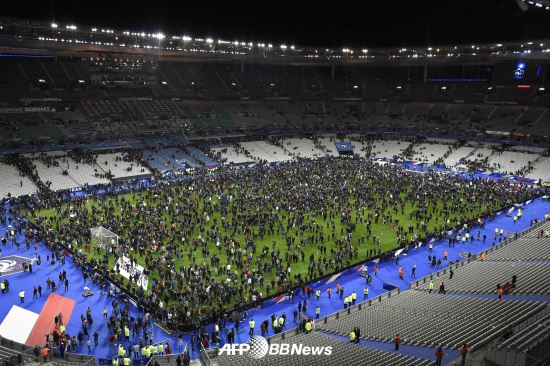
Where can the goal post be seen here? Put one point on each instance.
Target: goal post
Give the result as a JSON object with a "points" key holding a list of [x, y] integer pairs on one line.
{"points": [[103, 237]]}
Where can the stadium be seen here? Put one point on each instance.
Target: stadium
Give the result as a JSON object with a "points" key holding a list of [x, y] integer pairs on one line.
{"points": [[172, 199]]}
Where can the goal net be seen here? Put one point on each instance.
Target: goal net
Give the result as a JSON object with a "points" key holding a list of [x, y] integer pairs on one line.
{"points": [[104, 238]]}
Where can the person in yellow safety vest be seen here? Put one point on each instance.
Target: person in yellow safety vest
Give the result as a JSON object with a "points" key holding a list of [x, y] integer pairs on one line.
{"points": [[467, 235], [318, 294], [2, 286], [144, 351], [345, 302], [353, 297], [251, 324], [126, 361], [127, 333], [352, 337], [308, 327], [121, 350], [317, 312], [22, 296], [161, 349], [365, 293], [217, 328], [155, 349], [282, 322], [62, 328], [501, 232], [519, 213], [431, 286], [115, 361], [275, 323]]}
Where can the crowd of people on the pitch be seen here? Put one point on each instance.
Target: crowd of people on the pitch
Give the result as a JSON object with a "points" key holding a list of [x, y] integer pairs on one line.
{"points": [[263, 222]]}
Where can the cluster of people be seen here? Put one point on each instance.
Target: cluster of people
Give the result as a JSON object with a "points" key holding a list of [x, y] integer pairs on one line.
{"points": [[508, 287], [238, 236]]}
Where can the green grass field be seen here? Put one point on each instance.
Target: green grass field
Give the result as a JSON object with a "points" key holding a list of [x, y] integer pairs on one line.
{"points": [[386, 234]]}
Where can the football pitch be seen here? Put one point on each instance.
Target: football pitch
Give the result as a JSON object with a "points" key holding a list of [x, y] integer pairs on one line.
{"points": [[195, 226]]}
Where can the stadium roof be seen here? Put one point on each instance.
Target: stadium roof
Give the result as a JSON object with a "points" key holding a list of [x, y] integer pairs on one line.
{"points": [[63, 36]]}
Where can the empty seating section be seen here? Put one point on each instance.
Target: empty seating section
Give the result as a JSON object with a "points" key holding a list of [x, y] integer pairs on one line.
{"points": [[343, 353], [170, 159], [482, 277], [54, 175], [504, 118], [388, 148], [431, 320], [456, 155], [201, 157], [13, 183], [429, 153], [103, 108], [179, 159], [302, 148], [328, 145], [85, 174], [9, 357], [155, 161], [511, 162], [480, 154], [529, 337], [264, 151], [524, 249], [119, 167], [541, 170], [231, 155], [65, 173]]}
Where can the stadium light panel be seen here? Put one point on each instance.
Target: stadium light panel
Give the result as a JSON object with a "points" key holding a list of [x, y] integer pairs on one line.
{"points": [[54, 25]]}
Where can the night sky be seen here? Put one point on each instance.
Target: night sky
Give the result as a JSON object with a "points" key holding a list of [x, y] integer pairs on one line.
{"points": [[356, 23]]}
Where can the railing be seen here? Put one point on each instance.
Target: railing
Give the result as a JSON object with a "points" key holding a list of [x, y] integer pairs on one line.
{"points": [[23, 352], [515, 358], [166, 359], [469, 363], [335, 316], [205, 358]]}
